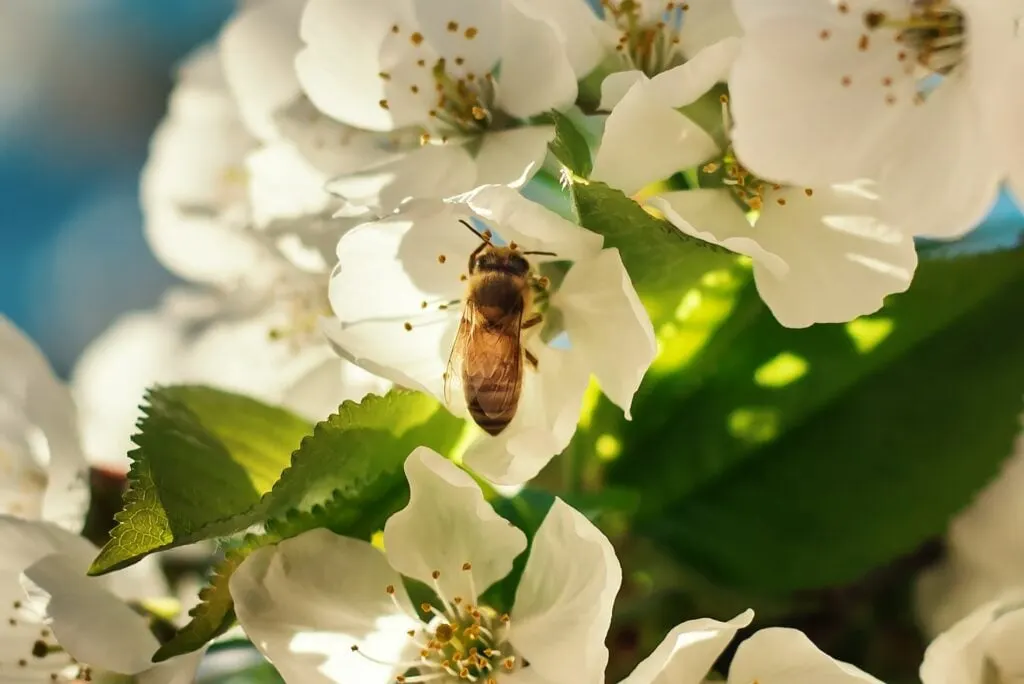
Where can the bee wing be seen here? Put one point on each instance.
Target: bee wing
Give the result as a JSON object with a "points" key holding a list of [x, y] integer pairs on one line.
{"points": [[495, 374], [453, 372]]}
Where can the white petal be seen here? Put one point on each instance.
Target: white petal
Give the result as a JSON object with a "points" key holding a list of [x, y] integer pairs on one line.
{"points": [[340, 66], [334, 148], [713, 216], [786, 656], [386, 271], [194, 185], [949, 592], [428, 172], [284, 186], [615, 86], [686, 83], [962, 169], [842, 258], [812, 111], [706, 22], [549, 409], [531, 225], [508, 157], [258, 47], [1002, 641], [578, 27], [446, 524], [607, 325], [480, 49], [291, 604], [89, 622], [530, 47], [38, 424], [568, 588], [646, 141], [687, 653], [956, 655]]}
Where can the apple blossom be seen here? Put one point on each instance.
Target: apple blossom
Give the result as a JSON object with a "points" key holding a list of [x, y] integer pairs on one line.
{"points": [[397, 295], [821, 254], [911, 93]]}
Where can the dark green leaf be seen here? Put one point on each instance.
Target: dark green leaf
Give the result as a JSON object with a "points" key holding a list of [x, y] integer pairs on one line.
{"points": [[204, 459], [804, 458], [347, 477]]}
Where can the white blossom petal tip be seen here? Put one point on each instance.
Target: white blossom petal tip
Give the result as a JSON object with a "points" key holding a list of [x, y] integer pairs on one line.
{"points": [[448, 536], [687, 653], [780, 655]]}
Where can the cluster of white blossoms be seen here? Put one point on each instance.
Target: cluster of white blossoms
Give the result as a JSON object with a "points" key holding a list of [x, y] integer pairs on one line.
{"points": [[335, 178], [58, 624]]}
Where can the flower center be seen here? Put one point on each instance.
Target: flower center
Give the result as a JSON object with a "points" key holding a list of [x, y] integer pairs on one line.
{"points": [[465, 103], [747, 189], [650, 46], [461, 641], [934, 30]]}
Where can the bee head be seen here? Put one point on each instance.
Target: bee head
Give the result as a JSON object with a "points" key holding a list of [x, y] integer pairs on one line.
{"points": [[503, 260]]}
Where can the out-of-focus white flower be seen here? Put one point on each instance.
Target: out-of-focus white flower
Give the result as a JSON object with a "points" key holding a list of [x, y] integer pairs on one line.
{"points": [[821, 254], [43, 473], [267, 348], [366, 629], [982, 648], [429, 72], [912, 93], [399, 290], [195, 187], [984, 552], [63, 626]]}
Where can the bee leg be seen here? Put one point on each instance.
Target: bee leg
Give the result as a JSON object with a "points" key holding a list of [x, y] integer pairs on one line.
{"points": [[531, 359], [532, 321], [539, 283], [473, 255]]}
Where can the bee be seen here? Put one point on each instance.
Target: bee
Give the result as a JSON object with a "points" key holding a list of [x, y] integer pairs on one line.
{"points": [[487, 354]]}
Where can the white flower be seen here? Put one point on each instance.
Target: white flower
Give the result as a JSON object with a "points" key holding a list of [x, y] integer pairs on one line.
{"points": [[398, 294], [466, 74], [365, 629], [63, 626], [984, 551], [912, 93], [635, 37], [194, 185], [44, 470], [984, 647], [820, 254], [267, 348]]}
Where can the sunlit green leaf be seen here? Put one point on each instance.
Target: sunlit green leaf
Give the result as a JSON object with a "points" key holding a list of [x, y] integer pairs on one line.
{"points": [[204, 460], [789, 459]]}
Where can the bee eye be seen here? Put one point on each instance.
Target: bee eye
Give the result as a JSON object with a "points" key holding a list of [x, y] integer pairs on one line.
{"points": [[519, 265]]}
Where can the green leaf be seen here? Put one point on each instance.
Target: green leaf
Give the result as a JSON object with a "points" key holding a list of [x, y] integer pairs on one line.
{"points": [[794, 459], [570, 146], [662, 262], [347, 477], [204, 458]]}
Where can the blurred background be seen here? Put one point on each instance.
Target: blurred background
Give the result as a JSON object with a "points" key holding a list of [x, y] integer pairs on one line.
{"points": [[83, 83]]}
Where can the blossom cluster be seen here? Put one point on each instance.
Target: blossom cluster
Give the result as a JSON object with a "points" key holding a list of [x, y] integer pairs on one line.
{"points": [[347, 188]]}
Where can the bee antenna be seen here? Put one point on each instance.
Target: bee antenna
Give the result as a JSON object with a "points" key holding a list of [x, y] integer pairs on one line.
{"points": [[475, 231], [544, 253]]}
